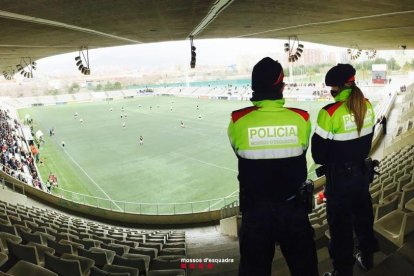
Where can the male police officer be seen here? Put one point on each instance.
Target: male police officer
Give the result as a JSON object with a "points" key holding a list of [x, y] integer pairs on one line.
{"points": [[270, 142]]}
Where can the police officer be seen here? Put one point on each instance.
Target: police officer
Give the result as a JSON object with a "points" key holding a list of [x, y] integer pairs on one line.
{"points": [[342, 142], [270, 142]]}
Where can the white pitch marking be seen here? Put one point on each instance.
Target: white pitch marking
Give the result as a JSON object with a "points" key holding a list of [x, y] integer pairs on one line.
{"points": [[93, 181], [207, 163], [210, 164]]}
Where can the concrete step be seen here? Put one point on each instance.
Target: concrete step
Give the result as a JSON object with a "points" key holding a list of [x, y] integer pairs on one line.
{"points": [[394, 265]]}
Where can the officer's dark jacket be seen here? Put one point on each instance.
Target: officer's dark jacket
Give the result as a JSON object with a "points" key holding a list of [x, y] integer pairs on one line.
{"points": [[270, 142], [336, 139]]}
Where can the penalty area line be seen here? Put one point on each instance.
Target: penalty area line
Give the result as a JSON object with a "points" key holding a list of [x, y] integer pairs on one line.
{"points": [[90, 178], [213, 165], [201, 161]]}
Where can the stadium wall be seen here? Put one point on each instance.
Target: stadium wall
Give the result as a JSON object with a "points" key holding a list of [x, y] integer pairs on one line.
{"points": [[105, 214]]}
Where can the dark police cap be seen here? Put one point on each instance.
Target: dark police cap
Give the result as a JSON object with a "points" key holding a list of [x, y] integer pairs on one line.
{"points": [[340, 74], [266, 76]]}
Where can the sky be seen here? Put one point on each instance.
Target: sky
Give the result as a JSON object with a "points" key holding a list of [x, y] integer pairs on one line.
{"points": [[151, 57]]}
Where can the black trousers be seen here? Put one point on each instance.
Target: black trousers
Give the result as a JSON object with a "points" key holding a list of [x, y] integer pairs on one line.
{"points": [[349, 211], [284, 223]]}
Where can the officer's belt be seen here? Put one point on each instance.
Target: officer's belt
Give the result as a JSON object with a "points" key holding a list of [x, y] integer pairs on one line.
{"points": [[347, 167], [270, 204]]}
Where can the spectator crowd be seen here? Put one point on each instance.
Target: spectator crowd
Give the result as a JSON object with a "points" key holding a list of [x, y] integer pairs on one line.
{"points": [[16, 159]]}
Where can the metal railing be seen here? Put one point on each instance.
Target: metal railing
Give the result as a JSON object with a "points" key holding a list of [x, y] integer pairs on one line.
{"points": [[230, 210], [142, 208]]}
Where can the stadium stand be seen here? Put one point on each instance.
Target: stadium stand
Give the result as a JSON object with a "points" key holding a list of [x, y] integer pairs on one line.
{"points": [[393, 220], [43, 236], [15, 157], [98, 96], [22, 229], [129, 93], [64, 98], [83, 97]]}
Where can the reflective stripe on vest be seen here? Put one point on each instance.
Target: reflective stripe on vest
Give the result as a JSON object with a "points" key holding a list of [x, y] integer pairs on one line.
{"points": [[342, 136], [270, 153]]}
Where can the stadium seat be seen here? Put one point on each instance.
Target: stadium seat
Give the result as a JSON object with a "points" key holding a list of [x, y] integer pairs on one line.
{"points": [[161, 240], [121, 269], [391, 188], [173, 251], [133, 256], [395, 226], [45, 236], [37, 228], [320, 229], [386, 208], [76, 246], [30, 237], [151, 252], [409, 168], [375, 188], [23, 252], [135, 239], [100, 258], [4, 218], [394, 169], [102, 239], [406, 196], [384, 174], [155, 245], [21, 227], [375, 197], [63, 267], [3, 258], [99, 272], [403, 180], [8, 228], [65, 236], [88, 243], [386, 181], [84, 235], [59, 248], [109, 253], [172, 240], [23, 268], [16, 221], [138, 263], [51, 231], [117, 248], [166, 262], [70, 231], [170, 272], [85, 263], [398, 174], [131, 244], [410, 205], [7, 236], [391, 197], [41, 250], [316, 220], [174, 245]]}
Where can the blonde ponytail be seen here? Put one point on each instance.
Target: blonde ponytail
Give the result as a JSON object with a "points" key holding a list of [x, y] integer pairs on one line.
{"points": [[357, 106]]}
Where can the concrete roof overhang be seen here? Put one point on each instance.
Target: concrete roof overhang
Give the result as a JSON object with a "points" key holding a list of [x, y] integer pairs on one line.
{"points": [[43, 28]]}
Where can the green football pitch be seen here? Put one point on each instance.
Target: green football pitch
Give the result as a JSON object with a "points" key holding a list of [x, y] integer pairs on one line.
{"points": [[174, 165]]}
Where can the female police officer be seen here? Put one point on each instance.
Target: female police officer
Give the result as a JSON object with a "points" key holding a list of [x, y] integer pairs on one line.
{"points": [[341, 142]]}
